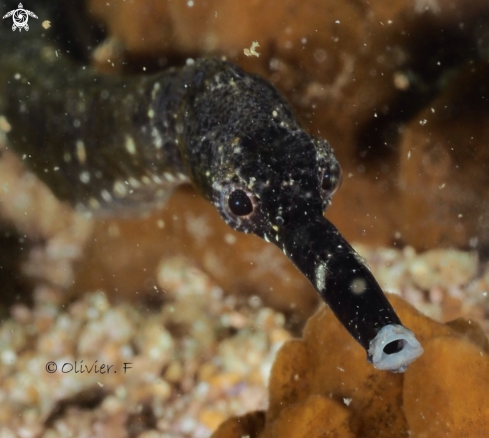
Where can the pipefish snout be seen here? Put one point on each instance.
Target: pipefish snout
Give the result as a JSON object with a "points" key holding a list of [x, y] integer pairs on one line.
{"points": [[116, 145]]}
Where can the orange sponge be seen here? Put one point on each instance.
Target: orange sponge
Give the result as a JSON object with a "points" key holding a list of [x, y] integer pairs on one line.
{"points": [[322, 385]]}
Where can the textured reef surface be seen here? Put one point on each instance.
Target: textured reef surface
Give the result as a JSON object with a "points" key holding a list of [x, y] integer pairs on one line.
{"points": [[320, 386]]}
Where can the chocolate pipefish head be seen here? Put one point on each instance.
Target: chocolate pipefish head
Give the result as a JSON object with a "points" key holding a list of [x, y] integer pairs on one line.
{"points": [[278, 190]]}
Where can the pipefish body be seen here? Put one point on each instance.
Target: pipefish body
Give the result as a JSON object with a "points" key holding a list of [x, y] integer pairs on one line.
{"points": [[118, 144]]}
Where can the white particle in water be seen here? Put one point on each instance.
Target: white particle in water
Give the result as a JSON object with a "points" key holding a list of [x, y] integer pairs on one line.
{"points": [[230, 239], [85, 177]]}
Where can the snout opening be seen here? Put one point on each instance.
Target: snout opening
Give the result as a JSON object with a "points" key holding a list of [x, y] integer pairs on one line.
{"points": [[394, 348]]}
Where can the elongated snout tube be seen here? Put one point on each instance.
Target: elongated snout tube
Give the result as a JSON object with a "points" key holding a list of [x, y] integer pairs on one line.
{"points": [[346, 284]]}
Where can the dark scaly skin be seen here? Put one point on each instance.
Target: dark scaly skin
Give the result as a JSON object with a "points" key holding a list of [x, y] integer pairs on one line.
{"points": [[91, 138], [211, 124]]}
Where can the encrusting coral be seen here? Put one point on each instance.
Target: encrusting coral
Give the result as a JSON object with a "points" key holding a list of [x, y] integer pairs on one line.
{"points": [[322, 386]]}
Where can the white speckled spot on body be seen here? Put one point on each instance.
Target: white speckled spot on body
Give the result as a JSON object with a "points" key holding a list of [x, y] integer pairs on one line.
{"points": [[321, 272], [156, 88], [169, 177], [81, 152], [120, 189], [130, 145], [182, 177], [106, 195], [133, 182], [157, 139]]}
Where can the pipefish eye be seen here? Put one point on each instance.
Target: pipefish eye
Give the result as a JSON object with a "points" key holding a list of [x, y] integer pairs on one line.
{"points": [[239, 207], [240, 203], [330, 178]]}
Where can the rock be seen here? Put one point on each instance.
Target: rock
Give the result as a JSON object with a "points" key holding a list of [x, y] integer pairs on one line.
{"points": [[443, 268]]}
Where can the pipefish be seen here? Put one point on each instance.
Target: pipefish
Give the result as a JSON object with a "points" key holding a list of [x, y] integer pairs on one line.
{"points": [[114, 145]]}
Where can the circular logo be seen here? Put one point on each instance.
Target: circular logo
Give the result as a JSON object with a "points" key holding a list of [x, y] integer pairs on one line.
{"points": [[20, 17]]}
